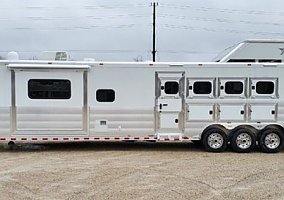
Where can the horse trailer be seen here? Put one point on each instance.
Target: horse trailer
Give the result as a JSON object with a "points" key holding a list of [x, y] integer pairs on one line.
{"points": [[238, 103]]}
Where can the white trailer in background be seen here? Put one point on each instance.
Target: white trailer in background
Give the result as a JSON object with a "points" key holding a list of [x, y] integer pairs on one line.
{"points": [[241, 104]]}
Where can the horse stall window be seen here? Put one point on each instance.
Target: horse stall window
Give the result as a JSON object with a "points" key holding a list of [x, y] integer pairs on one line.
{"points": [[234, 87], [265, 87], [171, 87], [49, 89], [105, 95], [202, 87]]}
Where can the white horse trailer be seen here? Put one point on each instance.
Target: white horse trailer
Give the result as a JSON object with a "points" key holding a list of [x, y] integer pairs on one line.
{"points": [[241, 104]]}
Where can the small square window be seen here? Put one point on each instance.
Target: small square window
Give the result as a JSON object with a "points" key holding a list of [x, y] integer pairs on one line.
{"points": [[202, 87], [234, 87], [171, 87], [105, 95], [265, 87]]}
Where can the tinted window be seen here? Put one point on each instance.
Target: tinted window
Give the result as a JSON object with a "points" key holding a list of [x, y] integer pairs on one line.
{"points": [[202, 87], [171, 87], [242, 60], [265, 87], [234, 87], [49, 89], [270, 60], [105, 95]]}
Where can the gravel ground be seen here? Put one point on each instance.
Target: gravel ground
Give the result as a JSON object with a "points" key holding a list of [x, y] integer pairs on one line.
{"points": [[137, 171]]}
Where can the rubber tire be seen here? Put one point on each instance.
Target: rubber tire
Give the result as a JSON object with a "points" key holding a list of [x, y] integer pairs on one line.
{"points": [[264, 133], [234, 136], [208, 132]]}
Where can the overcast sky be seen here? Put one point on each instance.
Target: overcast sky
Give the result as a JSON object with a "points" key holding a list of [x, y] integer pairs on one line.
{"points": [[187, 30]]}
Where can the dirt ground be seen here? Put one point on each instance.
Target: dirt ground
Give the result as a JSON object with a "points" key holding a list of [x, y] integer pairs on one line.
{"points": [[137, 171]]}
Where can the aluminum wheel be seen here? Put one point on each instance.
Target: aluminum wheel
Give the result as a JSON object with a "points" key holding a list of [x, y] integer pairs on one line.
{"points": [[215, 140], [272, 140], [243, 141]]}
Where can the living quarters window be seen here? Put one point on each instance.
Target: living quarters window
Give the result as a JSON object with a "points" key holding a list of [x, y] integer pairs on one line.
{"points": [[234, 87], [49, 89], [202, 87], [265, 87], [105, 95], [171, 87]]}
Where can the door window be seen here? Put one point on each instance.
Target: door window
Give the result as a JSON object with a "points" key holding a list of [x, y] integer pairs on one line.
{"points": [[171, 87]]}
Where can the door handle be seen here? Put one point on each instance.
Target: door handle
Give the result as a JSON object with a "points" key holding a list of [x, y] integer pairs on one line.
{"points": [[165, 104], [161, 106]]}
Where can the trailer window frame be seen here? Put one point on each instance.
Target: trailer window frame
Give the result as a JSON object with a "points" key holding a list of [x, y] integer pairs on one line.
{"points": [[227, 87], [255, 93], [191, 84], [42, 89]]}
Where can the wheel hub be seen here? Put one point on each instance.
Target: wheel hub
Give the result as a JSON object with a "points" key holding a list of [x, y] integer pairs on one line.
{"points": [[215, 140], [244, 141], [272, 141]]}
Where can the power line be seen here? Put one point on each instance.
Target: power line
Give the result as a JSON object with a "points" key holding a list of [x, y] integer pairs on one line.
{"points": [[194, 28], [78, 28], [219, 20], [60, 18], [222, 10], [85, 7]]}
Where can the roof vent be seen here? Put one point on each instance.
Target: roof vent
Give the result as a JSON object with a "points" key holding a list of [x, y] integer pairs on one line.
{"points": [[13, 55], [54, 55]]}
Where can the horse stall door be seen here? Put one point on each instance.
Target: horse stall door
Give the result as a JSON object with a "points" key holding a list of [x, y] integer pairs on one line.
{"points": [[170, 103]]}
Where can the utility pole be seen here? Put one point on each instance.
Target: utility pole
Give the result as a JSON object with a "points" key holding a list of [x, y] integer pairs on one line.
{"points": [[154, 51]]}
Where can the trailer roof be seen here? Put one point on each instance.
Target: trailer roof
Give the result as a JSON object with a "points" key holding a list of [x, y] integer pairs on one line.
{"points": [[263, 41]]}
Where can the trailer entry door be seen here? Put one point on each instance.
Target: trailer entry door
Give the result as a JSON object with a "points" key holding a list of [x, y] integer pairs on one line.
{"points": [[49, 101]]}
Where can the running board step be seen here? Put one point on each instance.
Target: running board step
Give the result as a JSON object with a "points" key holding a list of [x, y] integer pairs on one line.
{"points": [[169, 136]]}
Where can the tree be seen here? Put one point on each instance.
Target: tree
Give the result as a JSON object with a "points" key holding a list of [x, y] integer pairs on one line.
{"points": [[139, 58]]}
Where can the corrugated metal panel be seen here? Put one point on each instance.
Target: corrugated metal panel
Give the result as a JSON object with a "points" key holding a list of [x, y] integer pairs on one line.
{"points": [[280, 114], [123, 121], [4, 121], [40, 118]]}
